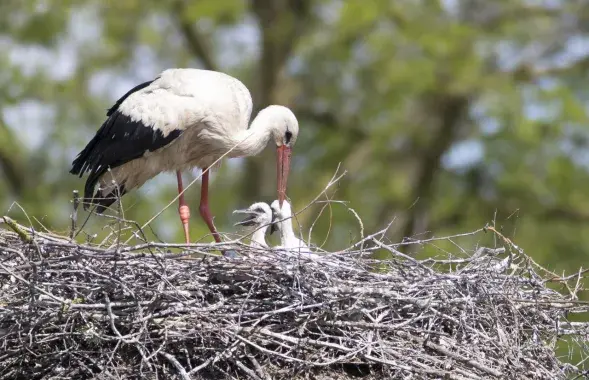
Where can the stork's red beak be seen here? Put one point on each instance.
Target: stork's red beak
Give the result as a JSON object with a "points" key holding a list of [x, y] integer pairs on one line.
{"points": [[282, 168]]}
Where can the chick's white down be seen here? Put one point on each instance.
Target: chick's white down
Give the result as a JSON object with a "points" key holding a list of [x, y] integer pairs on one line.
{"points": [[282, 220], [257, 222]]}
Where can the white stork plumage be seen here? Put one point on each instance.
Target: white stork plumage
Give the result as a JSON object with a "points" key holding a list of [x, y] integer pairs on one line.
{"points": [[184, 118], [282, 221], [258, 220]]}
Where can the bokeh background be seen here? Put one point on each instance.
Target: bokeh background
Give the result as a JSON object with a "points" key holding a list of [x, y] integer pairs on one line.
{"points": [[447, 115]]}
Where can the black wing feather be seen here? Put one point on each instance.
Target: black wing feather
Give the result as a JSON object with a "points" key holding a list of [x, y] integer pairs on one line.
{"points": [[118, 141]]}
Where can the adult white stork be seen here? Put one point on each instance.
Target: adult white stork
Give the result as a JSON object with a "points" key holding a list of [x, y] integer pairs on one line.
{"points": [[258, 220], [182, 119]]}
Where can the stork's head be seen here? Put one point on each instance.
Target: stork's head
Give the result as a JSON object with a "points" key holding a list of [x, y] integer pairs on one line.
{"points": [[285, 130], [279, 213], [258, 214]]}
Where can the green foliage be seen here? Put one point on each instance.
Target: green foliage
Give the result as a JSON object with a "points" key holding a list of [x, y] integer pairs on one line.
{"points": [[389, 89]]}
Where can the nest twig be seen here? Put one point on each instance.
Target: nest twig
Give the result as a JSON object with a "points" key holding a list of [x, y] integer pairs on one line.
{"points": [[81, 311]]}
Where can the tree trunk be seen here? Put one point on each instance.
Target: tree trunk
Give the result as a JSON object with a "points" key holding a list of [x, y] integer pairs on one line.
{"points": [[451, 110], [281, 23], [12, 165]]}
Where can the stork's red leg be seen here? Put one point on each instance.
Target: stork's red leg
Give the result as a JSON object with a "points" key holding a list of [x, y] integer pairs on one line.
{"points": [[183, 209], [205, 212]]}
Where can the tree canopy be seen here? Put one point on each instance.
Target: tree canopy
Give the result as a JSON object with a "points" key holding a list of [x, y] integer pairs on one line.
{"points": [[447, 115]]}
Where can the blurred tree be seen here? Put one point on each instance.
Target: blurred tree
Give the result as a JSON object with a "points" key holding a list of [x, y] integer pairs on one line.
{"points": [[446, 114], [11, 161]]}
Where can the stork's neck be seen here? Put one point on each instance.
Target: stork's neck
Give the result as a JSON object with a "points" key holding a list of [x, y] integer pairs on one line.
{"points": [[259, 237], [287, 235], [253, 140]]}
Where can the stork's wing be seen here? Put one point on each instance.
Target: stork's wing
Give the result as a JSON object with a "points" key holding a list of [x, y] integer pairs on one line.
{"points": [[119, 140], [122, 99]]}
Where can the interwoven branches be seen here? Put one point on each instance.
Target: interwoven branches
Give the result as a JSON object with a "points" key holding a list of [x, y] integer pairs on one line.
{"points": [[80, 311]]}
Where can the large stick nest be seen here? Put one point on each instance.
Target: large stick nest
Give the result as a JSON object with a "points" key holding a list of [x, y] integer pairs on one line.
{"points": [[80, 311]]}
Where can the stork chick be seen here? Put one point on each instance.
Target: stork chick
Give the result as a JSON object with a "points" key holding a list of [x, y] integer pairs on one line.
{"points": [[282, 221], [258, 220]]}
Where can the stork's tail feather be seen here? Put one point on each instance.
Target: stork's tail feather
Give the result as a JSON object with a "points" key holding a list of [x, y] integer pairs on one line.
{"points": [[85, 160], [77, 165]]}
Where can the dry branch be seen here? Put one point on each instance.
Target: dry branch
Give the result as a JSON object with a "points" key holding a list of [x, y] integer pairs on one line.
{"points": [[81, 311]]}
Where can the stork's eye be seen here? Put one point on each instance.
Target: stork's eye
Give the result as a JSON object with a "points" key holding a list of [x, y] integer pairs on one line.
{"points": [[287, 136], [259, 209]]}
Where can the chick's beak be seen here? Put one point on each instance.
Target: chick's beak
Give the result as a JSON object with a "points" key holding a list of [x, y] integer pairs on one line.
{"points": [[249, 220], [283, 154], [273, 227]]}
